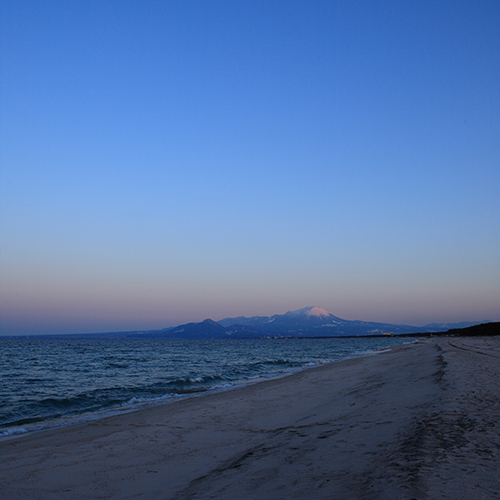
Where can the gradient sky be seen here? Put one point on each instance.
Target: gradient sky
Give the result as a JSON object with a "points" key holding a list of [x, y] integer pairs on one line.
{"points": [[168, 161]]}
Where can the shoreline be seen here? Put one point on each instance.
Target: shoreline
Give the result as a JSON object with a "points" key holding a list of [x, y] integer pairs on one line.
{"points": [[13, 432], [420, 420]]}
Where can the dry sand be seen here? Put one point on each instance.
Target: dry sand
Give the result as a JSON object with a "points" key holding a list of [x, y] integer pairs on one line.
{"points": [[420, 421]]}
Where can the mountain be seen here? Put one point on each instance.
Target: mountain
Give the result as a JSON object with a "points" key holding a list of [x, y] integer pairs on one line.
{"points": [[302, 323], [307, 322], [311, 322], [309, 319], [207, 329]]}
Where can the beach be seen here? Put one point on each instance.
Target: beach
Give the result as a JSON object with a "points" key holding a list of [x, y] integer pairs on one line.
{"points": [[417, 421]]}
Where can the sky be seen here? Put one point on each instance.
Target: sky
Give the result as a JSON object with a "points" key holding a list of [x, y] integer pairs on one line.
{"points": [[164, 162]]}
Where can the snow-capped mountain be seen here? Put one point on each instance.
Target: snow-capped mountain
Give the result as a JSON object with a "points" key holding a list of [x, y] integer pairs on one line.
{"points": [[307, 322], [301, 318], [318, 312], [310, 321]]}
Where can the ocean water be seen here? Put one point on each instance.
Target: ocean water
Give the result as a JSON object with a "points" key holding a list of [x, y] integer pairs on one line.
{"points": [[54, 382]]}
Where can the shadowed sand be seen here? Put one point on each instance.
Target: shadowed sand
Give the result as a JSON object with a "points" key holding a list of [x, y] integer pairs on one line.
{"points": [[419, 421]]}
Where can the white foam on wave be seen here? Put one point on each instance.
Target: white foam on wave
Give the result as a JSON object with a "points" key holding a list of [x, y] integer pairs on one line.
{"points": [[14, 432]]}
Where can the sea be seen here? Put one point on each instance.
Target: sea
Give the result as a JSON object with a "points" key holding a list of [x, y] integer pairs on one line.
{"points": [[54, 382]]}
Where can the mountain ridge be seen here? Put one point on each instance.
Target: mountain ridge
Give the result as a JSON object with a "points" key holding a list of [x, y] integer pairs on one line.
{"points": [[311, 321], [307, 322]]}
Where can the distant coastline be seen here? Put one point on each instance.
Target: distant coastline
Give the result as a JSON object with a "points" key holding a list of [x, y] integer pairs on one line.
{"points": [[482, 330]]}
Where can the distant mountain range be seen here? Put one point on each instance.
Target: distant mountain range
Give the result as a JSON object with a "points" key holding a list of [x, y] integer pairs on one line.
{"points": [[306, 322]]}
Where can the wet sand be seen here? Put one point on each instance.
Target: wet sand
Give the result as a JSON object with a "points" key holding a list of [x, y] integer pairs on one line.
{"points": [[421, 421]]}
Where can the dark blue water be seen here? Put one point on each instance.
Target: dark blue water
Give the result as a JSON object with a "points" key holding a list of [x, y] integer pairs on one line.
{"points": [[49, 382]]}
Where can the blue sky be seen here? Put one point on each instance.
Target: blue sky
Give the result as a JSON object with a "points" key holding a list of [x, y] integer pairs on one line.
{"points": [[168, 161]]}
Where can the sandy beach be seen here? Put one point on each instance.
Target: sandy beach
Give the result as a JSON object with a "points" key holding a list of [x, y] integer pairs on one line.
{"points": [[419, 421]]}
